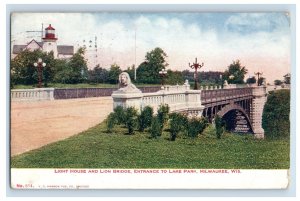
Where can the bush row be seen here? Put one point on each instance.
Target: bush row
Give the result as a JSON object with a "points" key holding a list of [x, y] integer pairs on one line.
{"points": [[174, 123]]}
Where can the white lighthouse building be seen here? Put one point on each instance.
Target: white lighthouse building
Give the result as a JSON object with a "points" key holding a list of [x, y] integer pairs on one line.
{"points": [[48, 44]]}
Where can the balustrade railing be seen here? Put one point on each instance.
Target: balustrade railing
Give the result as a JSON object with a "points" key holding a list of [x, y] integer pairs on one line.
{"points": [[208, 96], [32, 94]]}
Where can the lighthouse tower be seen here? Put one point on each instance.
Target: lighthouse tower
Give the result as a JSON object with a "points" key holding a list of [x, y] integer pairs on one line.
{"points": [[49, 41]]}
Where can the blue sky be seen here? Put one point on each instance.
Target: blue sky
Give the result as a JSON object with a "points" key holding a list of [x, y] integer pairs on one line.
{"points": [[260, 40]]}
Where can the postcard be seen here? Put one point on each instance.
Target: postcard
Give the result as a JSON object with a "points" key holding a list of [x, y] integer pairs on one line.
{"points": [[150, 100]]}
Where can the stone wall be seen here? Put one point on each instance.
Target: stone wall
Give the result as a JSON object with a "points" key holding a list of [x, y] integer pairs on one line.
{"points": [[93, 92]]}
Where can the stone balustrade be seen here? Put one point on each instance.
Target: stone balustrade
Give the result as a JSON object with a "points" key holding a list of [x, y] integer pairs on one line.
{"points": [[210, 87], [32, 94], [178, 98], [176, 87]]}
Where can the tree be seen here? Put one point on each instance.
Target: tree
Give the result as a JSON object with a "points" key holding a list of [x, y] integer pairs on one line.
{"points": [[278, 82], [251, 80], [205, 78], [62, 72], [78, 66], [113, 74], [235, 73], [130, 71], [174, 77], [287, 78], [148, 71], [276, 115], [71, 71], [24, 72], [98, 75]]}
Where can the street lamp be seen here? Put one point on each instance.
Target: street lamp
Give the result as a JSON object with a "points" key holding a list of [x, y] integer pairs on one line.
{"points": [[163, 74], [221, 78], [258, 74], [39, 64], [196, 66]]}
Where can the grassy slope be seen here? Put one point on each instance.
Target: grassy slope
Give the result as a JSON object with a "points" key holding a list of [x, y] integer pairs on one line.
{"points": [[95, 148]]}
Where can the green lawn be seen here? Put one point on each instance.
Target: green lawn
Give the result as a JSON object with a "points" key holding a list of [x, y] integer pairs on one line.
{"points": [[81, 85], [95, 148]]}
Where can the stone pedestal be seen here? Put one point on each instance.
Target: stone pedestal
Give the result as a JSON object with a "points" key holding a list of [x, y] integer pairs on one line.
{"points": [[125, 100]]}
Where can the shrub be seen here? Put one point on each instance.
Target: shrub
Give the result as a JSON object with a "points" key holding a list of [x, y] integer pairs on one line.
{"points": [[155, 129], [276, 113], [163, 114], [209, 131], [145, 118], [219, 126], [130, 121], [196, 126], [110, 122], [120, 115], [177, 123]]}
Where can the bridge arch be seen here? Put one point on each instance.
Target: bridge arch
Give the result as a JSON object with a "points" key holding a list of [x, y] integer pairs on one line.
{"points": [[229, 110]]}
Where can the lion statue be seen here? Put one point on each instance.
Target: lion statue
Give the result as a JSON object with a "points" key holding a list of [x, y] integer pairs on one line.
{"points": [[125, 84]]}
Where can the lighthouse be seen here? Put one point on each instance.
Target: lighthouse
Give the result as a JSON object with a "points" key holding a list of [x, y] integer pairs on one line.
{"points": [[48, 44], [49, 41]]}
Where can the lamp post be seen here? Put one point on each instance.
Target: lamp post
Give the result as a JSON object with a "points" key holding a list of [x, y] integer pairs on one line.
{"points": [[163, 74], [221, 78], [258, 74], [39, 64], [196, 66]]}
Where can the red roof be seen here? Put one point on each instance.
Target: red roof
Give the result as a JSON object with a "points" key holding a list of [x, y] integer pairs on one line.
{"points": [[49, 27]]}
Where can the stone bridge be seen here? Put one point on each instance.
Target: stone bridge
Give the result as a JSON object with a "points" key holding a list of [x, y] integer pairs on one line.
{"points": [[240, 108]]}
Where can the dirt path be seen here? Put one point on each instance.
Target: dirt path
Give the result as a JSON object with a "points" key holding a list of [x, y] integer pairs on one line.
{"points": [[35, 124]]}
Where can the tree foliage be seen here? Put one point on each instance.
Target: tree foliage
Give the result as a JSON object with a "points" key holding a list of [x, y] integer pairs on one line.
{"points": [[178, 123], [163, 114], [98, 75], [278, 82], [113, 74], [287, 78], [130, 70], [23, 70], [219, 126], [130, 119], [145, 118], [204, 78], [235, 73], [276, 115], [174, 77], [196, 126], [155, 129], [78, 67], [148, 71], [251, 80]]}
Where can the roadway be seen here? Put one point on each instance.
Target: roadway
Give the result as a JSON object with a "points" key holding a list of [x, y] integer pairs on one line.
{"points": [[37, 123]]}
